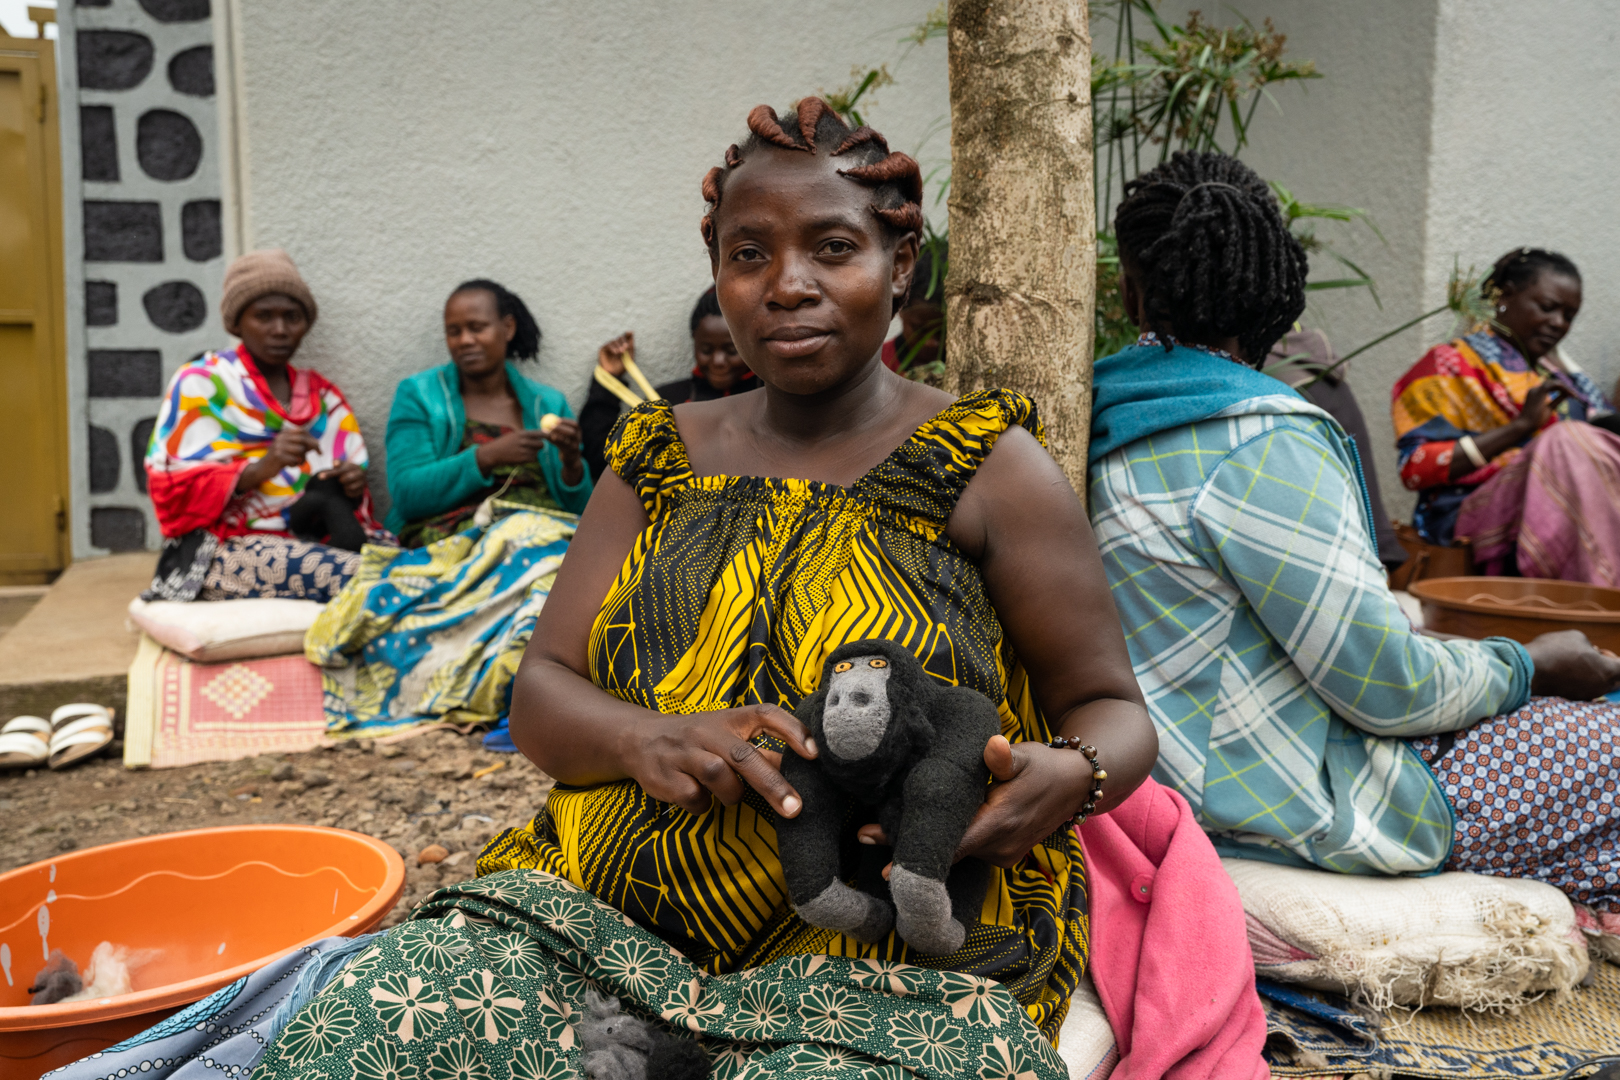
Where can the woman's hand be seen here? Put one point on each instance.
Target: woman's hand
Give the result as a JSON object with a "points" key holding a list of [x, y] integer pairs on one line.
{"points": [[287, 451], [610, 357], [565, 435], [692, 759], [350, 475], [1037, 788], [1570, 666], [1538, 406], [513, 448]]}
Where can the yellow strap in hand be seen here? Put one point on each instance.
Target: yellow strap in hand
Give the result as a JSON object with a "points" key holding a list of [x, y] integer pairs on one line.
{"points": [[611, 383], [641, 380]]}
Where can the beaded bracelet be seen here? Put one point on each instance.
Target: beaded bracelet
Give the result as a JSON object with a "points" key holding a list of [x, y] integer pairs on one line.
{"points": [[1098, 775]]}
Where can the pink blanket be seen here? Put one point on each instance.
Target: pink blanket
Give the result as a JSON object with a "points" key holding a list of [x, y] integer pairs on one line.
{"points": [[1169, 950]]}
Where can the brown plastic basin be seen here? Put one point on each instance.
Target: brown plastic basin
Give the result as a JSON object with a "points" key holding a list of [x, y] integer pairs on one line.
{"points": [[1519, 608], [216, 903]]}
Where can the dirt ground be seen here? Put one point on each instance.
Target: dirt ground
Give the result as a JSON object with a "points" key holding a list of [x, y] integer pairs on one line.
{"points": [[413, 794]]}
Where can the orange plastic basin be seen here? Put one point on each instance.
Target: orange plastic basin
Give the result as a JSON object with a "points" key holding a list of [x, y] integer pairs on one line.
{"points": [[1519, 608], [216, 903]]}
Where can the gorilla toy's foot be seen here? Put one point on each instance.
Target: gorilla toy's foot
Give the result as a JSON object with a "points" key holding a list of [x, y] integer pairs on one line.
{"points": [[923, 913], [839, 907]]}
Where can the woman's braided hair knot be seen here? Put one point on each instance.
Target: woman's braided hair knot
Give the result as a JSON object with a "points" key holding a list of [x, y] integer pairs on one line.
{"points": [[893, 177]]}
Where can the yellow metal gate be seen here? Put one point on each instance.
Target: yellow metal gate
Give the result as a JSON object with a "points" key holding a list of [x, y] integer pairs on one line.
{"points": [[33, 384]]}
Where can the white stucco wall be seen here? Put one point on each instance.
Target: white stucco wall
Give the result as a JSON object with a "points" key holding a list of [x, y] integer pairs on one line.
{"points": [[557, 148], [1527, 151]]}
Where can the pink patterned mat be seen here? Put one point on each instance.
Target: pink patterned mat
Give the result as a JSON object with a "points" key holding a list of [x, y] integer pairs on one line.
{"points": [[182, 712]]}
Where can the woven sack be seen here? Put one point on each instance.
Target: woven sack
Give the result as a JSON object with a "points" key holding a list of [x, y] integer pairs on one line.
{"points": [[1086, 1041], [1466, 940]]}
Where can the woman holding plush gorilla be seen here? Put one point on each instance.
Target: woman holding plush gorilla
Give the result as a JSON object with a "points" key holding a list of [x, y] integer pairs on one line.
{"points": [[734, 543]]}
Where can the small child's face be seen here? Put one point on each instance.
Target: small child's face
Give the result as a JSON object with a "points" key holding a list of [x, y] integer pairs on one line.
{"points": [[805, 272]]}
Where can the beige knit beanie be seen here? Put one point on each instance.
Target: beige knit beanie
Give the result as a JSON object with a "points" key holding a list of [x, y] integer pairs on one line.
{"points": [[260, 273]]}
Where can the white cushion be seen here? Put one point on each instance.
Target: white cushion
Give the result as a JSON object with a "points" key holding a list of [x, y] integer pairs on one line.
{"points": [[219, 630], [1086, 1042], [1465, 940]]}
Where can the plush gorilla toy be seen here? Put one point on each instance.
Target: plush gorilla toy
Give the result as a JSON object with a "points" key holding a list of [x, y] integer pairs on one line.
{"points": [[894, 741]]}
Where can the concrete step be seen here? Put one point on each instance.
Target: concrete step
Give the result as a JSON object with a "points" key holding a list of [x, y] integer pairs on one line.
{"points": [[74, 644]]}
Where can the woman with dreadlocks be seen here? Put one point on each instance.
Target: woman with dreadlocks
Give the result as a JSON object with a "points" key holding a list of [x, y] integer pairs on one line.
{"points": [[1508, 442], [1298, 711]]}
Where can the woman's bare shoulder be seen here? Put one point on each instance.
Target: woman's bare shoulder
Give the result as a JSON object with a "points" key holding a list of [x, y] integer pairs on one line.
{"points": [[1017, 486]]}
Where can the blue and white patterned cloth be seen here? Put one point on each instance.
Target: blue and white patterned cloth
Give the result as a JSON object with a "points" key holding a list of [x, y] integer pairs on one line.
{"points": [[224, 1034], [1279, 669], [436, 633]]}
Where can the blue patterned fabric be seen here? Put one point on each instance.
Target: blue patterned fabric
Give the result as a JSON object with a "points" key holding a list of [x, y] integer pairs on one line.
{"points": [[1279, 669], [436, 633], [223, 1035]]}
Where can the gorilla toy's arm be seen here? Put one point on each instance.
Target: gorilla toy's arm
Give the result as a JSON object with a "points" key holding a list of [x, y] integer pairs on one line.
{"points": [[808, 847]]}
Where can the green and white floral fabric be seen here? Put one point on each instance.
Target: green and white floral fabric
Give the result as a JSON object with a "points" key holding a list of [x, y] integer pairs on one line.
{"points": [[487, 979]]}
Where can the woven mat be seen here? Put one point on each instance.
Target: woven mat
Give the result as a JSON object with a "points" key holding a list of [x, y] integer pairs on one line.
{"points": [[1539, 1042], [181, 712]]}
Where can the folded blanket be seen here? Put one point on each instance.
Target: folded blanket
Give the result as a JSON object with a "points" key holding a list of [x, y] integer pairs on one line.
{"points": [[437, 633]]}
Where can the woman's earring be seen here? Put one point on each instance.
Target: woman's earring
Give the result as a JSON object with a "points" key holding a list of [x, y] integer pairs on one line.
{"points": [[1501, 307]]}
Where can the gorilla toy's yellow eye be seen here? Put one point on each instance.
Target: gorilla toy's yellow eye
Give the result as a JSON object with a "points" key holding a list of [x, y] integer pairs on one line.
{"points": [[878, 662], [843, 665]]}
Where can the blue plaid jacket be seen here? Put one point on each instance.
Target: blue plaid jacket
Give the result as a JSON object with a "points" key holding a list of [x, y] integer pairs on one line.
{"points": [[1280, 671]]}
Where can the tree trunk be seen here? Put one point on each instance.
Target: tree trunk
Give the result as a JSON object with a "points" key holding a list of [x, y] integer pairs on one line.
{"points": [[1022, 280]]}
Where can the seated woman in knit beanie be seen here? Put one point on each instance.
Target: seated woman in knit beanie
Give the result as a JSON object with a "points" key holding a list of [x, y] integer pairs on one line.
{"points": [[257, 468]]}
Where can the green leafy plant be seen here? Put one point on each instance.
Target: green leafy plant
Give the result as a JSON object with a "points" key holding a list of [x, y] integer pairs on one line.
{"points": [[1191, 86], [1465, 299], [846, 99], [1178, 88], [1301, 217]]}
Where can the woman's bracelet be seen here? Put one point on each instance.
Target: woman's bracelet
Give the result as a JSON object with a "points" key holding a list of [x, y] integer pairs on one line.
{"points": [[1098, 775], [1471, 451]]}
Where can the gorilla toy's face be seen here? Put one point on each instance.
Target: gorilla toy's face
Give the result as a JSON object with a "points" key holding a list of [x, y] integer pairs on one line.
{"points": [[857, 711]]}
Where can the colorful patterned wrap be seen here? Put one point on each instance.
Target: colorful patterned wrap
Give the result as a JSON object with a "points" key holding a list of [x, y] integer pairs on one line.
{"points": [[1468, 386], [436, 633], [218, 415], [736, 592]]}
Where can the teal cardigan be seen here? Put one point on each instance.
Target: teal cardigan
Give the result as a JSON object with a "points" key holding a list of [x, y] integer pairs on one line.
{"points": [[429, 472]]}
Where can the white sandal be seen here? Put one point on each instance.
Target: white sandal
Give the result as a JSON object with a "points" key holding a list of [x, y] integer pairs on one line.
{"points": [[24, 742], [77, 731]]}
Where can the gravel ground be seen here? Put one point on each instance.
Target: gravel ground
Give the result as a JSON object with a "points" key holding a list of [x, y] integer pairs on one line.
{"points": [[413, 794]]}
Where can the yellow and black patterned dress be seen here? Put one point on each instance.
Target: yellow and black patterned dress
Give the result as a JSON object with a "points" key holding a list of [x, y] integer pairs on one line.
{"points": [[735, 594]]}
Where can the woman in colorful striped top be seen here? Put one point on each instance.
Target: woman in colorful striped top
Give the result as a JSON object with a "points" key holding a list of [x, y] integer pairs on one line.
{"points": [[256, 468], [1485, 436]]}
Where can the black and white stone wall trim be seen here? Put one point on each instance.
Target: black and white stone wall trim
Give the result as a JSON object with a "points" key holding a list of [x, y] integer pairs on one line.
{"points": [[142, 195]]}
